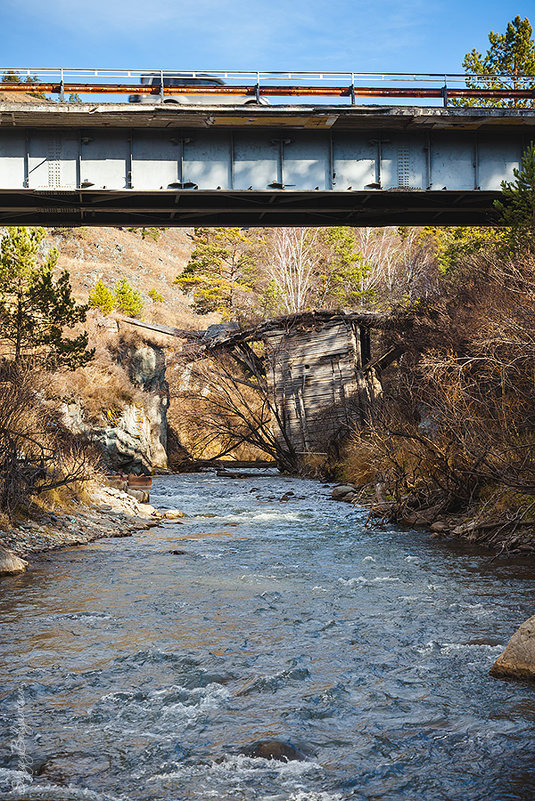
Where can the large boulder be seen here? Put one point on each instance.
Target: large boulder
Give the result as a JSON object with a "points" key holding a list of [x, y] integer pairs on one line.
{"points": [[518, 659], [146, 367], [10, 563], [343, 492]]}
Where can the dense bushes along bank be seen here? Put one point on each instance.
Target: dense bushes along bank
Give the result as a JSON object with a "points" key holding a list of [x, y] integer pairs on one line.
{"points": [[453, 438]]}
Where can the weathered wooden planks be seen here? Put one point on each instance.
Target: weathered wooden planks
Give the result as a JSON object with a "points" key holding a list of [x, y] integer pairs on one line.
{"points": [[317, 379]]}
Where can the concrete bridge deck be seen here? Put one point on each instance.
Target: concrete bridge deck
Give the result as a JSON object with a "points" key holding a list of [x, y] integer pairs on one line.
{"points": [[127, 164]]}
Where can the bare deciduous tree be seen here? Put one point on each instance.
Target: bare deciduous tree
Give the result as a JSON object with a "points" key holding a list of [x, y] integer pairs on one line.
{"points": [[228, 404], [293, 261]]}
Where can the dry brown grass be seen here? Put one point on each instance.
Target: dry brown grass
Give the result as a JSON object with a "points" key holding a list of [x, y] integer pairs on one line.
{"points": [[104, 385], [108, 254], [101, 387], [38, 454], [360, 460], [72, 495]]}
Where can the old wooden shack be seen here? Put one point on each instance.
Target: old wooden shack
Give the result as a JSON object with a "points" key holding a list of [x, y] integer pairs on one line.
{"points": [[320, 376]]}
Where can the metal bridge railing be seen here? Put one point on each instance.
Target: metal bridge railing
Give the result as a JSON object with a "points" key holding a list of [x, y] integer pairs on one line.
{"points": [[444, 87]]}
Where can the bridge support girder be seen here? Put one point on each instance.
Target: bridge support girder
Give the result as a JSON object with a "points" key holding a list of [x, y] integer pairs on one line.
{"points": [[247, 209]]}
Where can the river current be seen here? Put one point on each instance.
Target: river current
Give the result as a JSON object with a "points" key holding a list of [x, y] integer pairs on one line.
{"points": [[130, 672]]}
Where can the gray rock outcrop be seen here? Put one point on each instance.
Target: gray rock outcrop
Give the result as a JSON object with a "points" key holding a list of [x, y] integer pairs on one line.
{"points": [[134, 441], [518, 659], [11, 564], [146, 368]]}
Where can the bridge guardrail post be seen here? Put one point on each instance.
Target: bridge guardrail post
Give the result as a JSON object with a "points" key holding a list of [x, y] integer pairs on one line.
{"points": [[445, 92]]}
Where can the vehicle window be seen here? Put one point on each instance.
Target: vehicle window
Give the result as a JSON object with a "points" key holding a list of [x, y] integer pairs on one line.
{"points": [[155, 80], [188, 82]]}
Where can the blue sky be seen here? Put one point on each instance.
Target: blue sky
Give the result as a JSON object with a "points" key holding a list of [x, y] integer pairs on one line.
{"points": [[357, 35]]}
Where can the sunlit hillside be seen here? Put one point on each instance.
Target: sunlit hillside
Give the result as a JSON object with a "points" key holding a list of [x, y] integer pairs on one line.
{"points": [[150, 258]]}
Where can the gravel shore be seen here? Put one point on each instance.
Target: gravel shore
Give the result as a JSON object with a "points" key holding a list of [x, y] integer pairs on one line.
{"points": [[112, 513]]}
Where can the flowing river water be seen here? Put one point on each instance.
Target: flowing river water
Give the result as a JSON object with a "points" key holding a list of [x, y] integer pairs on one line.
{"points": [[130, 672]]}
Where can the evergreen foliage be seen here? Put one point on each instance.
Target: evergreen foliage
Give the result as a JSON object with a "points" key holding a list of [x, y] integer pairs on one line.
{"points": [[127, 299], [247, 275], [221, 267], [147, 232], [13, 77], [156, 296], [35, 307], [452, 244], [344, 269], [102, 298], [509, 63], [518, 206]]}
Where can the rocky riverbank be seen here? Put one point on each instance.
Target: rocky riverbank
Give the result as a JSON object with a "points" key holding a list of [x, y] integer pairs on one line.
{"points": [[111, 513], [500, 535]]}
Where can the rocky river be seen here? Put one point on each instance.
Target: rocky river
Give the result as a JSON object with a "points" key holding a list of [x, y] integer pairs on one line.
{"points": [[171, 665]]}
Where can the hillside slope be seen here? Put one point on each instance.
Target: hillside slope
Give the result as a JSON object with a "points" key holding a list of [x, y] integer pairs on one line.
{"points": [[108, 254]]}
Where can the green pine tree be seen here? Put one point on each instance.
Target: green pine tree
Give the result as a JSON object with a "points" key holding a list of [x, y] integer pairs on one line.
{"points": [[342, 279], [35, 307], [156, 296], [509, 63], [13, 77], [102, 298], [127, 299], [517, 209], [221, 267]]}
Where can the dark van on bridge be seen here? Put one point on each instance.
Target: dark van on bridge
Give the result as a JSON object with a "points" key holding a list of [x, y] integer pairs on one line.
{"points": [[197, 98]]}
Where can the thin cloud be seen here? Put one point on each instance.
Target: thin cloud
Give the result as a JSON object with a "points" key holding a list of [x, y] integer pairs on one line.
{"points": [[242, 33]]}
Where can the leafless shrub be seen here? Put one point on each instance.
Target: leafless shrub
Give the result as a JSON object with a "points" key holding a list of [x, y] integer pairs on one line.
{"points": [[37, 453], [226, 408], [455, 427]]}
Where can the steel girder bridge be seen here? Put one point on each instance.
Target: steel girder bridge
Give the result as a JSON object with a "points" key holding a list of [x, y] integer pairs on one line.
{"points": [[184, 164]]}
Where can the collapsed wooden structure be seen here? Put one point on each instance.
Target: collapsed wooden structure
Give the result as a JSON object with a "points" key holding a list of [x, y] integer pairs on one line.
{"points": [[318, 382], [320, 373], [318, 369]]}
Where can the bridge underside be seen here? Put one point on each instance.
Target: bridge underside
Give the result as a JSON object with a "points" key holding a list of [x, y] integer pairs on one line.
{"points": [[78, 164], [246, 208]]}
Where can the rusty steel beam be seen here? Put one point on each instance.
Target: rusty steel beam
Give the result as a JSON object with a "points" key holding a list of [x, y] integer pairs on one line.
{"points": [[273, 91]]}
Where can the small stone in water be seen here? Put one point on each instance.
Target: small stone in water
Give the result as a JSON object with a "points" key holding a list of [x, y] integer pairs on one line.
{"points": [[67, 768], [274, 749], [173, 514]]}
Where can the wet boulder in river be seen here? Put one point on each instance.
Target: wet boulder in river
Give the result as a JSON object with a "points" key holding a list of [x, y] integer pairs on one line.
{"points": [[343, 492], [274, 749], [518, 659], [10, 563], [73, 768]]}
